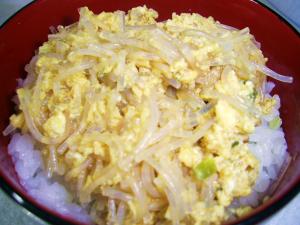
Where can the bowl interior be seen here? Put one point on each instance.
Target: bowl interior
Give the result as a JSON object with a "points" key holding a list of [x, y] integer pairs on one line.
{"points": [[22, 34]]}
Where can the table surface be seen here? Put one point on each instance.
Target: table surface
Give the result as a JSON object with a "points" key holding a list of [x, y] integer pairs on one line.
{"points": [[11, 213]]}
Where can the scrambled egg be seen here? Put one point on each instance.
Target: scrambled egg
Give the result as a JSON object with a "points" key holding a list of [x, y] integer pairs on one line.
{"points": [[55, 125], [120, 96]]}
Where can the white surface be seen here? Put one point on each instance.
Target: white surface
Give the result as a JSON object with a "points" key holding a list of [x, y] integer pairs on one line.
{"points": [[290, 215], [291, 8]]}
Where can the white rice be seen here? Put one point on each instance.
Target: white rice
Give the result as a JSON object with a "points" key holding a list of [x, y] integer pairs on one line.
{"points": [[29, 167], [270, 148], [268, 145]]}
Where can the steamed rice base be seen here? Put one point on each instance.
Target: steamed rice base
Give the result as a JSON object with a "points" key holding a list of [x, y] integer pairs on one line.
{"points": [[270, 149], [178, 93], [31, 172]]}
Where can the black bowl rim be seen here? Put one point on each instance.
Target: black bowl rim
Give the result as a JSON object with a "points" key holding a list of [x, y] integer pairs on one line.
{"points": [[260, 216]]}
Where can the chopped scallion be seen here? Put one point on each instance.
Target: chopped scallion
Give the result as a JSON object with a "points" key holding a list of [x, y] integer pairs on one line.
{"points": [[275, 123], [234, 144], [253, 94], [205, 169]]}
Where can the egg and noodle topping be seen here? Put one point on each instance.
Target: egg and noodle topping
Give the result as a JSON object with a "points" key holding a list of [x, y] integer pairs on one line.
{"points": [[148, 122]]}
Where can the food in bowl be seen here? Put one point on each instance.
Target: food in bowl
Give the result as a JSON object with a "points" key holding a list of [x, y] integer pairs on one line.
{"points": [[126, 120]]}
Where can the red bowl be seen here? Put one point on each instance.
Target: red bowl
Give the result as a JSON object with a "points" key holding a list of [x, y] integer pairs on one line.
{"points": [[23, 33]]}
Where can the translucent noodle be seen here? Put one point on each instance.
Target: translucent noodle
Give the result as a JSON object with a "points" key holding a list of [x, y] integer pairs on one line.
{"points": [[152, 125], [273, 74], [157, 205], [8, 130], [147, 177], [32, 127], [116, 194], [140, 195], [121, 213], [112, 216], [99, 178], [52, 163], [82, 124], [74, 172], [163, 148], [172, 190]]}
